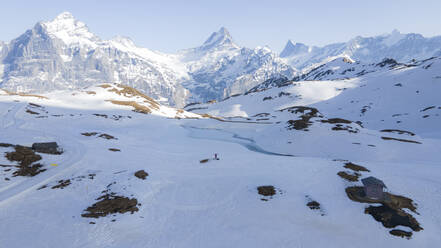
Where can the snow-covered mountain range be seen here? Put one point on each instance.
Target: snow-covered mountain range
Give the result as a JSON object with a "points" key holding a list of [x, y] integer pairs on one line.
{"points": [[63, 54], [401, 47]]}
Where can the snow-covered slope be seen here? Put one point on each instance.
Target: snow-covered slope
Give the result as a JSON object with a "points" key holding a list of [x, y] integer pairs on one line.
{"points": [[64, 54], [291, 139], [401, 47], [103, 96], [345, 68], [387, 96]]}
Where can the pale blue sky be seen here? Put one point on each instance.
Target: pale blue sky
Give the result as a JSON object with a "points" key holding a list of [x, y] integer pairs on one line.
{"points": [[170, 25]]}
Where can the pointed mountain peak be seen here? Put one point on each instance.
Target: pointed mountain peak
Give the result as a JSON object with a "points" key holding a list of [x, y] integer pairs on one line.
{"points": [[393, 38], [64, 16], [64, 20], [123, 40], [289, 44], [219, 38], [224, 31], [66, 28], [292, 48], [396, 31]]}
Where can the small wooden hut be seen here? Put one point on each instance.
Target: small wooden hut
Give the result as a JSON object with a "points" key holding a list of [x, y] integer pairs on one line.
{"points": [[373, 187]]}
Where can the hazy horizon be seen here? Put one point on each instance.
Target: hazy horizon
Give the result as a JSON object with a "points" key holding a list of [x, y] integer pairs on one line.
{"points": [[175, 25]]}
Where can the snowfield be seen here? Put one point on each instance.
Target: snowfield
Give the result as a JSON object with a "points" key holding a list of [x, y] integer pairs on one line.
{"points": [[184, 202]]}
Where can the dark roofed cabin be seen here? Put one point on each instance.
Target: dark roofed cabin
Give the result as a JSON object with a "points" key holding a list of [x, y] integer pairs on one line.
{"points": [[48, 147], [373, 187]]}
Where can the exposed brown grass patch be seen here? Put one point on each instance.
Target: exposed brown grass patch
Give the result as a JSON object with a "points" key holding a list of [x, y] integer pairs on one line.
{"points": [[266, 190], [137, 107], [131, 92], [336, 121], [34, 105], [102, 135], [350, 177], [111, 204], [141, 174], [397, 131], [101, 115], [401, 140], [304, 122], [398, 201], [89, 134], [31, 112], [355, 167], [106, 136], [62, 184], [25, 156], [340, 127], [391, 218], [6, 145], [104, 86], [313, 205], [401, 233], [212, 117], [23, 94], [390, 213]]}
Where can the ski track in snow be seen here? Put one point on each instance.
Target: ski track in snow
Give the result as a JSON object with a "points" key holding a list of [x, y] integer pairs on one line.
{"points": [[73, 153]]}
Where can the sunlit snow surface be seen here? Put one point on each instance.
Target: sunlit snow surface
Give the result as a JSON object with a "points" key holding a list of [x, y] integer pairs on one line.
{"points": [[185, 203]]}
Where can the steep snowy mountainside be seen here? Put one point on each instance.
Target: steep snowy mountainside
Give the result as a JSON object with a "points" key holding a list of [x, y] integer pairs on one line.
{"points": [[404, 98], [70, 31], [64, 54], [2, 45], [395, 96], [274, 98], [395, 45], [344, 68], [220, 68]]}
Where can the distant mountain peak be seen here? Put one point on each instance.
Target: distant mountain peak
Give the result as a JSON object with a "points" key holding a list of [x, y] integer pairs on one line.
{"points": [[66, 28], [64, 16], [395, 31], [219, 38], [124, 40], [292, 48]]}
